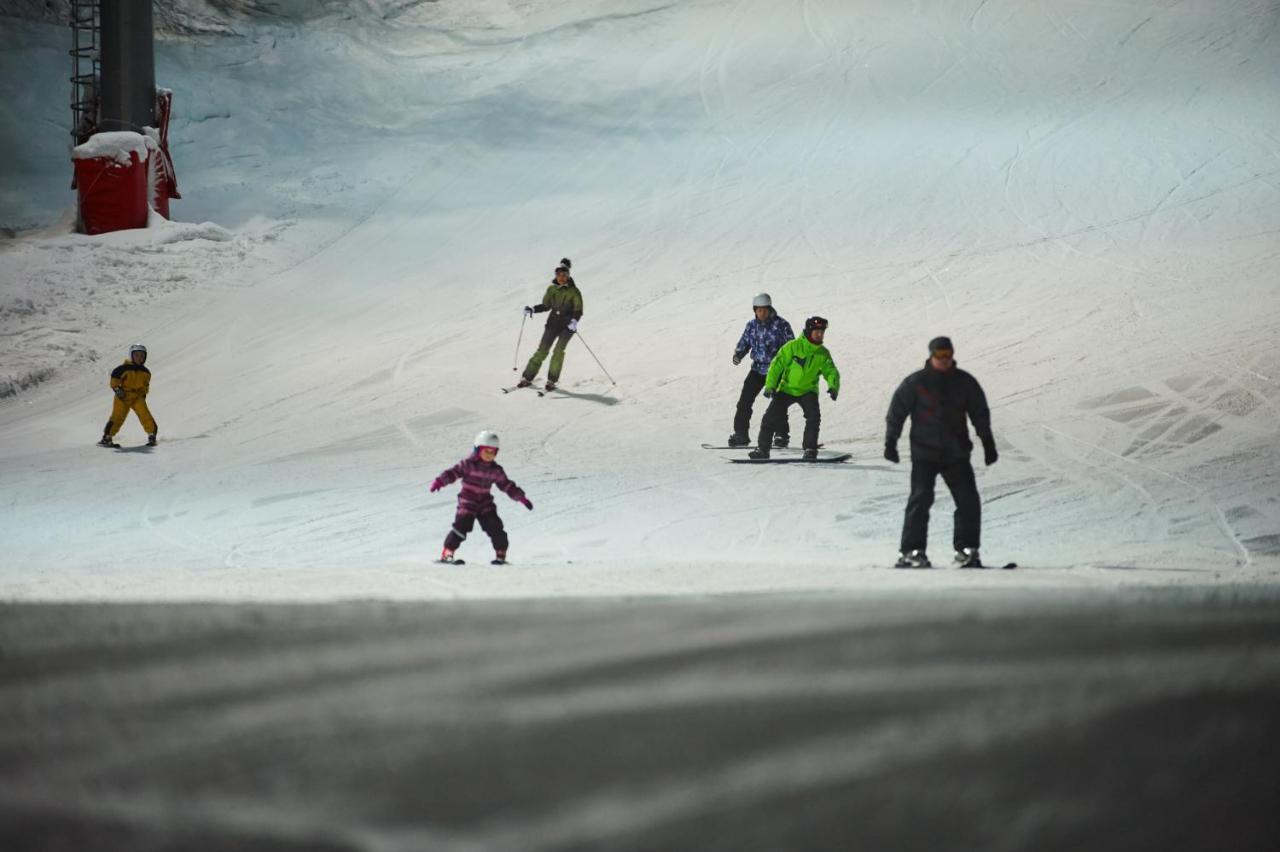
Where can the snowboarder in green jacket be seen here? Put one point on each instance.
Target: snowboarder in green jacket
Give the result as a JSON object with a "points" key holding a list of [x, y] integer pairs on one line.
{"points": [[793, 378]]}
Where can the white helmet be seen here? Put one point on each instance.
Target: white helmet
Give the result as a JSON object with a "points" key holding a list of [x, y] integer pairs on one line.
{"points": [[487, 439], [137, 347], [762, 301]]}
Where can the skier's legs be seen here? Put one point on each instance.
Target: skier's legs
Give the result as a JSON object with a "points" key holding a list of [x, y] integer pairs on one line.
{"points": [[751, 387], [463, 521], [915, 524], [557, 356], [776, 411], [964, 490], [544, 346], [119, 411], [144, 415], [812, 419], [492, 524]]}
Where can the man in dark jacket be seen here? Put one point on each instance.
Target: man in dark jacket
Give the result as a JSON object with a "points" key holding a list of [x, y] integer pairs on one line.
{"points": [[564, 301], [763, 337], [937, 399]]}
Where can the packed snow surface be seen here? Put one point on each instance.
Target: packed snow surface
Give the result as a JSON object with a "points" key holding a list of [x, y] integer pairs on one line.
{"points": [[1083, 196]]}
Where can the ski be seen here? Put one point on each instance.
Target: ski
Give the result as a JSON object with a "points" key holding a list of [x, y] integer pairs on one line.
{"points": [[517, 387], [499, 562], [451, 562], [791, 459]]}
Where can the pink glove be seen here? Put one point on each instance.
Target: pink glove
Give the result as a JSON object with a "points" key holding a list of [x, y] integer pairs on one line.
{"points": [[524, 501], [436, 485]]}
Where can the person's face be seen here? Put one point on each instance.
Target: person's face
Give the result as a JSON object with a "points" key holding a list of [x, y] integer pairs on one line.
{"points": [[488, 453], [762, 314], [817, 335], [943, 359], [138, 357], [562, 277]]}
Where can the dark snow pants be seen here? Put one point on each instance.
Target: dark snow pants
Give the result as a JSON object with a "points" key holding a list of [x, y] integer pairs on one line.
{"points": [[751, 387], [964, 491], [775, 419], [489, 522], [552, 334]]}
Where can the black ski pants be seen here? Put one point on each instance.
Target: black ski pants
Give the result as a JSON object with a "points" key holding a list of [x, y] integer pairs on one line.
{"points": [[489, 522], [775, 418], [964, 491], [751, 387]]}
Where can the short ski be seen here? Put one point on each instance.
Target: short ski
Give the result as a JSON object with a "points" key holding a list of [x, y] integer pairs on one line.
{"points": [[793, 459], [451, 562]]}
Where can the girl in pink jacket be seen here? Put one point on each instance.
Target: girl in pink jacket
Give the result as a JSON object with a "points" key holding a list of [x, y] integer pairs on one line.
{"points": [[479, 473]]}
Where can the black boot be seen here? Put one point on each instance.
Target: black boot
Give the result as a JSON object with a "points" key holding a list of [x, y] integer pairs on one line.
{"points": [[759, 453], [810, 455], [737, 440]]}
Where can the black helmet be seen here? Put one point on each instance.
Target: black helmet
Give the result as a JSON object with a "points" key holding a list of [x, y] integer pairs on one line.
{"points": [[814, 324]]}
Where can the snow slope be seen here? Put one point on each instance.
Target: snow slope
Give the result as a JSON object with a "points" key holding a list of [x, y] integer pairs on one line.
{"points": [[1083, 195]]}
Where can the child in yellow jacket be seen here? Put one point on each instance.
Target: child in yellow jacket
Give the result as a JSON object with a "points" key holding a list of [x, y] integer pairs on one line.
{"points": [[130, 382]]}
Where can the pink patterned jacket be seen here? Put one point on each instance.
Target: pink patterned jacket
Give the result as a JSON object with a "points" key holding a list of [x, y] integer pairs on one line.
{"points": [[478, 476]]}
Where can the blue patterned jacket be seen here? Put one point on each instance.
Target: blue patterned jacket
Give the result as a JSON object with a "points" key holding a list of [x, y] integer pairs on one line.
{"points": [[764, 339]]}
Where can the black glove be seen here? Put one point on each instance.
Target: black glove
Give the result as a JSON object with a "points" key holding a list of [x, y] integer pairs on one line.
{"points": [[737, 359], [528, 311], [990, 456], [833, 394], [891, 453], [768, 393], [119, 393]]}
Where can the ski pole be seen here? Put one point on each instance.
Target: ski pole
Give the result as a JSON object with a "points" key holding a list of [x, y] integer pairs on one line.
{"points": [[515, 359], [593, 355]]}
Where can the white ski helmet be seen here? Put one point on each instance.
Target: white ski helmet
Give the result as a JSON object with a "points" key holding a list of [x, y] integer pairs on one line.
{"points": [[137, 347], [762, 301], [487, 439]]}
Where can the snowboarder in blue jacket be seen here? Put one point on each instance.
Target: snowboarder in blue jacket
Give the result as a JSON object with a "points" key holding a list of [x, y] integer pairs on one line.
{"points": [[763, 337]]}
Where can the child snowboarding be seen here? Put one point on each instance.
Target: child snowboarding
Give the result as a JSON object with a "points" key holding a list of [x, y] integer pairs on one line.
{"points": [[764, 335], [793, 378], [479, 472], [130, 383], [564, 300]]}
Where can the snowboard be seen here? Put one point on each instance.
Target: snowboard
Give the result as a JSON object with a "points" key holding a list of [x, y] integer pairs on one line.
{"points": [[753, 446], [827, 457]]}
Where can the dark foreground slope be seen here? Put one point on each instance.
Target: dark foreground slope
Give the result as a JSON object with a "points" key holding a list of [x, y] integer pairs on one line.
{"points": [[1134, 722]]}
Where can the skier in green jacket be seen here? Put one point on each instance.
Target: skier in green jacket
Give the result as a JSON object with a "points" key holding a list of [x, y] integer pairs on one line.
{"points": [[793, 378], [563, 300]]}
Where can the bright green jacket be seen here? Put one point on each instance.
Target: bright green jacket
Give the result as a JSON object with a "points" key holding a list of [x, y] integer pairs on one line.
{"points": [[796, 367]]}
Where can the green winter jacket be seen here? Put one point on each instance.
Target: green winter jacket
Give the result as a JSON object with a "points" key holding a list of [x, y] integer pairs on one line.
{"points": [[564, 303], [796, 367]]}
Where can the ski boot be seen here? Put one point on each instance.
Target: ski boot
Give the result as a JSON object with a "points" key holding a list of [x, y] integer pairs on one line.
{"points": [[967, 557], [523, 383], [550, 386], [499, 557], [151, 439], [759, 453], [447, 558], [913, 559], [736, 440], [781, 442], [810, 455], [108, 442]]}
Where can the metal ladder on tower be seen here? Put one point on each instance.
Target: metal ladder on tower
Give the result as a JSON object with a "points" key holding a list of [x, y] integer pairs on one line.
{"points": [[85, 41]]}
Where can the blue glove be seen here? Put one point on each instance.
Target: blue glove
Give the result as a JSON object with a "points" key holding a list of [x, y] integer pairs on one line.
{"points": [[573, 325], [768, 393], [528, 311]]}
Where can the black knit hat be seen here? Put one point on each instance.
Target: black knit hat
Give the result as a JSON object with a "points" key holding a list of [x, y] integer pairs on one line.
{"points": [[814, 323], [940, 343]]}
